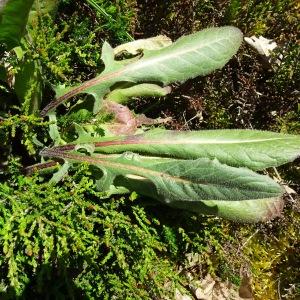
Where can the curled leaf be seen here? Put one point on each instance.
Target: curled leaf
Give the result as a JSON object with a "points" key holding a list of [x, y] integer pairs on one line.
{"points": [[134, 48]]}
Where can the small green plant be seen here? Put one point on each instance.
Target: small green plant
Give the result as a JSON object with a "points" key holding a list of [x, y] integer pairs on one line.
{"points": [[208, 172], [216, 178], [75, 242], [190, 56]]}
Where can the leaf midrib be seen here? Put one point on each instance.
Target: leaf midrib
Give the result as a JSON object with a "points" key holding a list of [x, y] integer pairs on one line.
{"points": [[142, 63], [135, 169], [142, 141], [163, 56]]}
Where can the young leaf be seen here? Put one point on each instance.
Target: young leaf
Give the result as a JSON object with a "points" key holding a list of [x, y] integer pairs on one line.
{"points": [[61, 173], [13, 20], [54, 130], [197, 54], [125, 121], [139, 90], [253, 149], [202, 186]]}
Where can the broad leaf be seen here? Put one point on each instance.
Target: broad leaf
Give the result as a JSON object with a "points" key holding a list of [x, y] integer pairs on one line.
{"points": [[13, 20], [201, 186], [197, 54], [241, 148]]}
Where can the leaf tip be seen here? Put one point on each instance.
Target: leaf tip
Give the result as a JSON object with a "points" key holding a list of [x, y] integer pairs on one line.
{"points": [[274, 209]]}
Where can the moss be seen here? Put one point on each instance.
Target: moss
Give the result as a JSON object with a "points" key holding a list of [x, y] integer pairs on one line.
{"points": [[95, 248], [70, 241], [272, 253], [69, 47], [289, 123]]}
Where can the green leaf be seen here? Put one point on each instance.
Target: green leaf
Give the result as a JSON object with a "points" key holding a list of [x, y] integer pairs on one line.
{"points": [[13, 20], [254, 149], [197, 54], [201, 186], [108, 58], [138, 90], [29, 85], [61, 173], [54, 130]]}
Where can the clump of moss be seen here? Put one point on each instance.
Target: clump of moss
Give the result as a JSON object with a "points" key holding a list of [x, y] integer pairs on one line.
{"points": [[69, 240], [273, 253], [69, 47], [65, 240]]}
